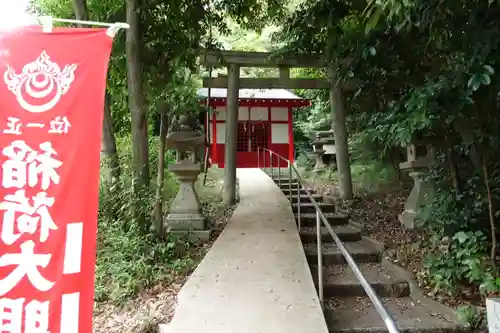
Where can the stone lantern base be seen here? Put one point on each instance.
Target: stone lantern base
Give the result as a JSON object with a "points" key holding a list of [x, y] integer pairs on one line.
{"points": [[185, 216], [319, 166], [197, 236], [415, 200], [493, 314]]}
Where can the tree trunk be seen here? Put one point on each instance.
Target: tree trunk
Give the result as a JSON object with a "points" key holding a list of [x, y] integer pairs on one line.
{"points": [[137, 110], [81, 10], [341, 140], [109, 155], [491, 215], [394, 157], [466, 133], [453, 169], [158, 212]]}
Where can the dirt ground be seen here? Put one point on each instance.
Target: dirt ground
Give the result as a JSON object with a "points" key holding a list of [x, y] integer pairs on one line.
{"points": [[378, 213]]}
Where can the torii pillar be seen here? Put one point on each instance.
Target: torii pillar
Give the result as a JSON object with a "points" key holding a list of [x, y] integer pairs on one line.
{"points": [[229, 195]]}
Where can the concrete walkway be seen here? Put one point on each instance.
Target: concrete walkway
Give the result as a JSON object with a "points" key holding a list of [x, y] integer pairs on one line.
{"points": [[255, 278]]}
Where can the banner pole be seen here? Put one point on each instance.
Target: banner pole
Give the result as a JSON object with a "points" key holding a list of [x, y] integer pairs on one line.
{"points": [[47, 23]]}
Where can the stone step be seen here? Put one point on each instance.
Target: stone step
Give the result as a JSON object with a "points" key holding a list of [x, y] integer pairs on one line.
{"points": [[285, 187], [286, 184], [286, 191], [358, 315], [362, 251], [305, 198], [308, 207], [283, 180], [284, 173], [309, 219], [340, 281], [346, 233]]}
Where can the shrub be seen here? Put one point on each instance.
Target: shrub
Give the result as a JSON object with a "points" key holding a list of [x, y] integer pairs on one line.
{"points": [[129, 259]]}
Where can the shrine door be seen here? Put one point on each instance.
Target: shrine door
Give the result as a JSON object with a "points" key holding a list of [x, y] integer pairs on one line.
{"points": [[251, 135]]}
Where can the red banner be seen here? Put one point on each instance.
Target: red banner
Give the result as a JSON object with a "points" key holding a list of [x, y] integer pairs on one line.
{"points": [[52, 89]]}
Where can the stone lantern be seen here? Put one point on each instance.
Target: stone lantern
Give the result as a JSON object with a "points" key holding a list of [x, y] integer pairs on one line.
{"points": [[318, 152], [185, 212], [420, 155], [324, 149]]}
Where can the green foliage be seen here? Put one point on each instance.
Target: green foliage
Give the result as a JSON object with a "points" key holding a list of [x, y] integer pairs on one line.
{"points": [[470, 316], [128, 259], [451, 261], [457, 250], [305, 162], [427, 70], [373, 176], [307, 120], [170, 45], [369, 177]]}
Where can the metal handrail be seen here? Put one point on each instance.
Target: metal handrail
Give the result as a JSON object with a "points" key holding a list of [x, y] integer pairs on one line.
{"points": [[320, 218]]}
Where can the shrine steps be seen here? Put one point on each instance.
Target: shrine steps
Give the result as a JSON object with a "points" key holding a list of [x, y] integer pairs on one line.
{"points": [[346, 307], [305, 198]]}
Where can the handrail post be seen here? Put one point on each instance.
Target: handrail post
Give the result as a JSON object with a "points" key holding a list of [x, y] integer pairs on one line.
{"points": [[258, 157], [271, 163], [290, 181], [320, 258], [264, 165], [298, 204], [279, 172]]}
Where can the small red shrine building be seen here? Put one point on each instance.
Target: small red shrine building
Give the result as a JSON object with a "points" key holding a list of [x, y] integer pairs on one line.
{"points": [[264, 121]]}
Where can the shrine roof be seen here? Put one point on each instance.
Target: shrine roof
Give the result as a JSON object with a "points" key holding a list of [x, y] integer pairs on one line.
{"points": [[250, 93], [259, 96]]}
